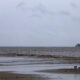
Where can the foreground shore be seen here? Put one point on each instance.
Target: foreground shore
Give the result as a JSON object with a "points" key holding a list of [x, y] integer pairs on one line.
{"points": [[14, 76], [62, 71]]}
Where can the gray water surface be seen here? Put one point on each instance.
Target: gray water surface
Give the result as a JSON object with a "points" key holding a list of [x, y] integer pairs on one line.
{"points": [[26, 65]]}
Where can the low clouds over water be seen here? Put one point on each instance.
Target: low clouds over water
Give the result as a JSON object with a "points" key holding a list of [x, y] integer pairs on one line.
{"points": [[39, 22]]}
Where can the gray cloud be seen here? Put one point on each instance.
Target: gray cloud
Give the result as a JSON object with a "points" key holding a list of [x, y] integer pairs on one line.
{"points": [[42, 9], [20, 4], [37, 10], [73, 5], [65, 13], [39, 22], [76, 19]]}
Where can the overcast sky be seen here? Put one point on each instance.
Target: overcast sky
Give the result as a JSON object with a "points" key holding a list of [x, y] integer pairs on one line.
{"points": [[39, 22]]}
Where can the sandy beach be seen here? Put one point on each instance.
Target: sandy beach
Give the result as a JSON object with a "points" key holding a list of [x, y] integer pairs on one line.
{"points": [[14, 76], [62, 71]]}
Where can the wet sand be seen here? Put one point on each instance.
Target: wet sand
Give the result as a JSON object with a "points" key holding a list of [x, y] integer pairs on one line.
{"points": [[62, 71], [14, 76]]}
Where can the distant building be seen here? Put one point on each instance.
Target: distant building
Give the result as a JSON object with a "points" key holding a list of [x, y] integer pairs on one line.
{"points": [[78, 45]]}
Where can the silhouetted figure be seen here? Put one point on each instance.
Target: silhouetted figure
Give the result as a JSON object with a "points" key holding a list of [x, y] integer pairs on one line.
{"points": [[78, 68], [75, 67], [78, 45]]}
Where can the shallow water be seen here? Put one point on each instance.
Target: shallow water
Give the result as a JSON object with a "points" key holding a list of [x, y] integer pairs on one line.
{"points": [[27, 65]]}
